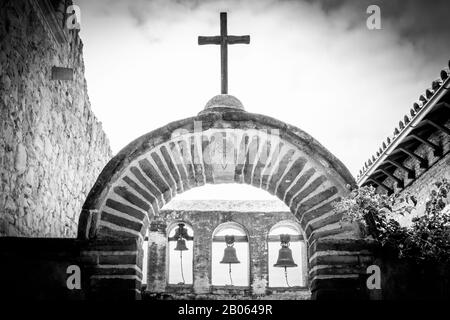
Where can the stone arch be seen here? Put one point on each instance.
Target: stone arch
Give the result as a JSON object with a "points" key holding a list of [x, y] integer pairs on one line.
{"points": [[289, 223], [229, 225], [173, 224], [287, 162], [151, 170]]}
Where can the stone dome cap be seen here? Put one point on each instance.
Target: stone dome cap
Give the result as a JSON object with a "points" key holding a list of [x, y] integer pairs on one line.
{"points": [[223, 101]]}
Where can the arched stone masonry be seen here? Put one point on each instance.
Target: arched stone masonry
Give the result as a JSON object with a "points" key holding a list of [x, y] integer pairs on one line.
{"points": [[228, 145]]}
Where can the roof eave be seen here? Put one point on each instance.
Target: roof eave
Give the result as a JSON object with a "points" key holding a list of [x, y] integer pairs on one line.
{"points": [[437, 96]]}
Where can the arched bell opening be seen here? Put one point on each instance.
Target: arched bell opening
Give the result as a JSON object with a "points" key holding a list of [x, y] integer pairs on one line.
{"points": [[287, 256], [230, 255], [180, 248]]}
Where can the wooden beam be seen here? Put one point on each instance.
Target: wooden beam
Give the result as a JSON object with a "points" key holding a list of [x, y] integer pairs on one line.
{"points": [[399, 181], [238, 39], [224, 52], [378, 183], [209, 40], [437, 150], [438, 126], [423, 162], [188, 238], [236, 239], [276, 238], [410, 172]]}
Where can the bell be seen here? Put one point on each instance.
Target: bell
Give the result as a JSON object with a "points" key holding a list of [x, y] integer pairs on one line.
{"points": [[285, 259], [229, 255], [181, 245], [180, 231]]}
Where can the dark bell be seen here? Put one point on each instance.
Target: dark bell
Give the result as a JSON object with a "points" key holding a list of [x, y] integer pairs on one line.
{"points": [[285, 259], [229, 255], [181, 231], [181, 245]]}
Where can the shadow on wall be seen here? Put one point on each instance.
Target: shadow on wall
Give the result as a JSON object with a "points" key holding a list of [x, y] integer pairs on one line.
{"points": [[404, 279]]}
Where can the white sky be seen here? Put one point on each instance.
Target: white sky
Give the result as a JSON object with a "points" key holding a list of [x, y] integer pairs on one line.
{"points": [[317, 68]]}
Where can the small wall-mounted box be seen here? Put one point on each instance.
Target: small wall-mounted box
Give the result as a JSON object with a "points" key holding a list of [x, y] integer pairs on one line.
{"points": [[60, 73]]}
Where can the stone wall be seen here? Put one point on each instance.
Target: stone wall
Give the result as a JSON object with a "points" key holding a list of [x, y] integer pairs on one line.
{"points": [[421, 187], [258, 225], [52, 147]]}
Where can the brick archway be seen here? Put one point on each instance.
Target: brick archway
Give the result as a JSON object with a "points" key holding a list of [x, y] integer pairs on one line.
{"points": [[258, 151]]}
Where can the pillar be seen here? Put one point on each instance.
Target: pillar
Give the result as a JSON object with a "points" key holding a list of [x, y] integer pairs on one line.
{"points": [[157, 260], [113, 269], [202, 258]]}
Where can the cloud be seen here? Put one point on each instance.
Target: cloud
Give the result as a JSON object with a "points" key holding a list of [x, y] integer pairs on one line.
{"points": [[313, 64], [144, 10], [424, 24]]}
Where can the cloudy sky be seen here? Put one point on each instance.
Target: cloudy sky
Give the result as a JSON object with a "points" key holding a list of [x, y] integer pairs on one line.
{"points": [[313, 64]]}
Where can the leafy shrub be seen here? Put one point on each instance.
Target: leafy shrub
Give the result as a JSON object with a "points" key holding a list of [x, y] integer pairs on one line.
{"points": [[426, 240]]}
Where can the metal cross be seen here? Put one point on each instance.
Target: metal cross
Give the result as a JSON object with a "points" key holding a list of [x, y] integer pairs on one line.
{"points": [[224, 40]]}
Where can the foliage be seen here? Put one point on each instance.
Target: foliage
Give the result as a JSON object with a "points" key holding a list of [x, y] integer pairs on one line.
{"points": [[259, 286], [426, 240]]}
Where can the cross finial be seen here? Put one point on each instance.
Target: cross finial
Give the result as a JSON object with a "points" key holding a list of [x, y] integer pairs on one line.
{"points": [[224, 40]]}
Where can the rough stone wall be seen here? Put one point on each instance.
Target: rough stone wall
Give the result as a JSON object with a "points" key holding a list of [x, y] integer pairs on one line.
{"points": [[257, 224], [52, 147], [422, 186]]}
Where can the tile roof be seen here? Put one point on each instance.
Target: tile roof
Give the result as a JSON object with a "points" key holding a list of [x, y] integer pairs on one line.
{"points": [[419, 109]]}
